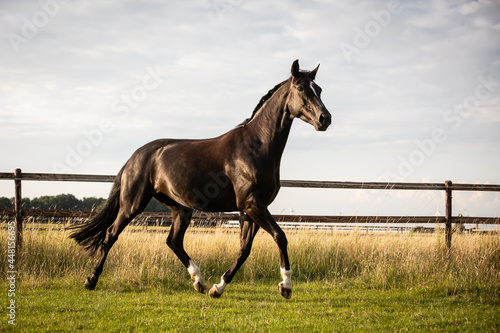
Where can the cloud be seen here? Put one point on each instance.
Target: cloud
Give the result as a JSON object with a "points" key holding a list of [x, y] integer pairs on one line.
{"points": [[220, 57], [484, 7]]}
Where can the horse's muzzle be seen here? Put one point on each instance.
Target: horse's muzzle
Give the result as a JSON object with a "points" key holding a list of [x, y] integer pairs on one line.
{"points": [[325, 119]]}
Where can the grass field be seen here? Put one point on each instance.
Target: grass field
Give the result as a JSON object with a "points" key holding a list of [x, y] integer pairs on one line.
{"points": [[343, 282]]}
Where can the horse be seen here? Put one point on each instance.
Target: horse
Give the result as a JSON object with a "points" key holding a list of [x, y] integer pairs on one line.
{"points": [[238, 171]]}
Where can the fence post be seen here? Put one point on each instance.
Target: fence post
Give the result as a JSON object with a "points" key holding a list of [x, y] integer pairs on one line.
{"points": [[449, 217], [18, 208]]}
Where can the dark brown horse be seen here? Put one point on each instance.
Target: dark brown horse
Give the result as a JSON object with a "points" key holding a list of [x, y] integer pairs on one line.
{"points": [[237, 171]]}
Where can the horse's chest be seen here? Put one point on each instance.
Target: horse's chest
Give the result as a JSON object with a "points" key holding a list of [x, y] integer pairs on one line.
{"points": [[268, 186]]}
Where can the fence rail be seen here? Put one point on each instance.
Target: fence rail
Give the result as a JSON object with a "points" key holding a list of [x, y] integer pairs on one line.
{"points": [[166, 216], [284, 183], [447, 186]]}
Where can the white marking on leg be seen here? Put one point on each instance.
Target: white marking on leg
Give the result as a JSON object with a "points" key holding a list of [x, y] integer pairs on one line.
{"points": [[287, 278], [221, 286], [195, 272]]}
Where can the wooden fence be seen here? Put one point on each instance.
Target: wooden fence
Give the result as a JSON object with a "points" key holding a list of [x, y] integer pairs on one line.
{"points": [[447, 186]]}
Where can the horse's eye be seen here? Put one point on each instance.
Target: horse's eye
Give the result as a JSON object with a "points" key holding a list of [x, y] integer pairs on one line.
{"points": [[300, 88]]}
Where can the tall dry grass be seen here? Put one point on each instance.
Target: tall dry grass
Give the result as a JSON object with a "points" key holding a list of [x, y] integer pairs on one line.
{"points": [[142, 260]]}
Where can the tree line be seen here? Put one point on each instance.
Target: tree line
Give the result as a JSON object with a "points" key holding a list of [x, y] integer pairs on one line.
{"points": [[69, 201]]}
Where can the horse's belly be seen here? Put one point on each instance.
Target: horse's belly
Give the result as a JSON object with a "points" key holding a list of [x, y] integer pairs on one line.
{"points": [[209, 191], [214, 194]]}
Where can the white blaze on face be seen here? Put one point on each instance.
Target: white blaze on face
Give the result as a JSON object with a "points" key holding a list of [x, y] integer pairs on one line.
{"points": [[314, 90], [316, 94]]}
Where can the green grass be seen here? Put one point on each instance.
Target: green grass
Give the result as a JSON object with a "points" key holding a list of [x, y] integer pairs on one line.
{"points": [[256, 307], [343, 282]]}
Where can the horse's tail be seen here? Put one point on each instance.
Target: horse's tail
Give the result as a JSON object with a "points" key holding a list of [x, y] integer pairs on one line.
{"points": [[91, 235]]}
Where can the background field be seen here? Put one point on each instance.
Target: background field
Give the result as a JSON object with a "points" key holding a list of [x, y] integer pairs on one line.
{"points": [[342, 282]]}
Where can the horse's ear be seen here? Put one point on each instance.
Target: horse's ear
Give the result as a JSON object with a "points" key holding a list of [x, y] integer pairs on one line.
{"points": [[312, 74], [295, 68]]}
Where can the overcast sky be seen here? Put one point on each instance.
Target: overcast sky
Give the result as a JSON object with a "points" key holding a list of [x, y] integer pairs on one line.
{"points": [[413, 87]]}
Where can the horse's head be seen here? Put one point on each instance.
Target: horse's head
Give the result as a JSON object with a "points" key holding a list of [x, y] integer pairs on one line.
{"points": [[304, 99]]}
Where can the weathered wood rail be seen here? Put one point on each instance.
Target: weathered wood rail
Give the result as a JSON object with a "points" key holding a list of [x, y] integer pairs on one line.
{"points": [[447, 186]]}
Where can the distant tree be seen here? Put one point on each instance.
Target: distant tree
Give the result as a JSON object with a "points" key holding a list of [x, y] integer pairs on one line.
{"points": [[90, 203], [69, 201], [66, 201], [43, 202], [6, 202], [156, 206], [25, 202], [61, 201]]}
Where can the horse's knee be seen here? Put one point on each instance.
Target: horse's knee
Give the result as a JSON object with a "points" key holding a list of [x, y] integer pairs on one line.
{"points": [[174, 245], [280, 239], [245, 252]]}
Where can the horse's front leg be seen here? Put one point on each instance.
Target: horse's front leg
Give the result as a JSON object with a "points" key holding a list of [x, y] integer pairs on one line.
{"points": [[181, 217], [261, 215], [248, 231]]}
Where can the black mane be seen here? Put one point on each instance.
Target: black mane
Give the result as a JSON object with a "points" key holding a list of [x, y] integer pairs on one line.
{"points": [[261, 103]]}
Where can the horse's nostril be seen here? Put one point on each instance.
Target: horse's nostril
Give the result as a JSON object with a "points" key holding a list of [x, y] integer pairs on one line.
{"points": [[324, 118]]}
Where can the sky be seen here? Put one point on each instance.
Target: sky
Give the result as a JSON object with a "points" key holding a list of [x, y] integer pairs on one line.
{"points": [[413, 88]]}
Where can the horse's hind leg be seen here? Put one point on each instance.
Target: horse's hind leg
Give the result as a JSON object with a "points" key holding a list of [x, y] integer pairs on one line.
{"points": [[132, 203], [181, 217], [122, 220]]}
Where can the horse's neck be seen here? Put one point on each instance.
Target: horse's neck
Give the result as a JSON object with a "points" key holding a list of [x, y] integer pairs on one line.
{"points": [[272, 123]]}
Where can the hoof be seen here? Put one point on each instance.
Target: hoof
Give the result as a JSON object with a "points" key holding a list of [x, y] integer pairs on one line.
{"points": [[90, 283], [285, 292], [200, 287], [214, 293]]}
